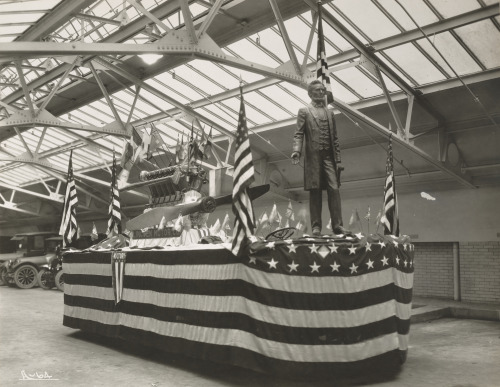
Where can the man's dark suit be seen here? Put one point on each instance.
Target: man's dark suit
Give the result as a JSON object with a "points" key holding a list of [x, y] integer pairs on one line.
{"points": [[321, 158]]}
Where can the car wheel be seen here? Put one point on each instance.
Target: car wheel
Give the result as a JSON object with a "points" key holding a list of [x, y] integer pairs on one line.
{"points": [[45, 279], [3, 273], [25, 277], [60, 280]]}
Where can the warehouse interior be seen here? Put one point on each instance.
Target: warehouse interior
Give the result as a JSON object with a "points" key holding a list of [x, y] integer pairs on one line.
{"points": [[83, 82], [78, 76]]}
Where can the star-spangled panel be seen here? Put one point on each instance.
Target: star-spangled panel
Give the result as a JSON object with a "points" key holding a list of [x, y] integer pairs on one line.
{"points": [[331, 256]]}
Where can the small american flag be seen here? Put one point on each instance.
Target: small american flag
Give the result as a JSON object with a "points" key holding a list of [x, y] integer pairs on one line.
{"points": [[115, 217], [390, 218], [69, 227], [244, 223], [321, 63]]}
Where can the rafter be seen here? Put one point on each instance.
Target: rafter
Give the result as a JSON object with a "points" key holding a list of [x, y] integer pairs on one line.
{"points": [[284, 35], [51, 197], [209, 18]]}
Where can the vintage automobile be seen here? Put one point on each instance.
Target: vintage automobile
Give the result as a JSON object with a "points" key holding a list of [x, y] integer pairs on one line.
{"points": [[51, 274], [34, 250]]}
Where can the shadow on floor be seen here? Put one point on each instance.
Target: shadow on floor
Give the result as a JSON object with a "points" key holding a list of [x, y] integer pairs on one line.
{"points": [[225, 373]]}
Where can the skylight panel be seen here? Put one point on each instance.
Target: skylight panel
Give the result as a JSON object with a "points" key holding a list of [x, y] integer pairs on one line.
{"points": [[217, 118], [418, 10], [253, 114], [10, 31], [174, 129], [14, 145], [58, 137], [273, 42], [171, 87], [142, 109], [196, 9], [334, 11], [94, 117], [298, 91], [415, 64], [110, 142], [454, 53], [80, 116], [289, 102], [216, 72], [359, 83], [227, 109], [483, 38], [22, 175], [253, 53], [101, 111], [452, 8], [206, 83], [274, 113], [370, 20], [28, 17]]}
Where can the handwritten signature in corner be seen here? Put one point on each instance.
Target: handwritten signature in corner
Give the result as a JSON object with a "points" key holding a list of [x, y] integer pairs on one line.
{"points": [[36, 376]]}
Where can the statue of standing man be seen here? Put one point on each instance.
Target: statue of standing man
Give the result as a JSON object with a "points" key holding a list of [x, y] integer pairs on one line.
{"points": [[317, 134]]}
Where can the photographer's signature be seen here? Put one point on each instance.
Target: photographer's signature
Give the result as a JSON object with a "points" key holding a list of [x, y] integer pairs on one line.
{"points": [[36, 376]]}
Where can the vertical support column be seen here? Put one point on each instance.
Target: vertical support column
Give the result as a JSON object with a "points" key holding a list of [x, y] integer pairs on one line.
{"points": [[215, 182], [456, 272]]}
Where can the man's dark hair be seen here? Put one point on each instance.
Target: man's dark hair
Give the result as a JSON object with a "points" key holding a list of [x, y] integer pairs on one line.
{"points": [[312, 84]]}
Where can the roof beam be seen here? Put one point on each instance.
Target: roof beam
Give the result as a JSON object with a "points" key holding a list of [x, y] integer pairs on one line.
{"points": [[55, 19], [85, 16], [149, 15], [169, 45], [55, 197], [162, 95], [284, 35], [209, 18], [24, 119], [188, 21], [350, 111], [14, 207]]}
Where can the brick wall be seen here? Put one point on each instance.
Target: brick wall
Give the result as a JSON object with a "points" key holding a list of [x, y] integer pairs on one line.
{"points": [[480, 271], [433, 269]]}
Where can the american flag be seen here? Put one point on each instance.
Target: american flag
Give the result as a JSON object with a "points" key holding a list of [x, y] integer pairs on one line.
{"points": [[299, 305], [244, 223], [390, 218], [321, 62], [115, 217], [69, 227]]}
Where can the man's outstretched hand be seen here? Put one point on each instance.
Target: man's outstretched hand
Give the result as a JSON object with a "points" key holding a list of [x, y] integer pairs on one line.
{"points": [[295, 158]]}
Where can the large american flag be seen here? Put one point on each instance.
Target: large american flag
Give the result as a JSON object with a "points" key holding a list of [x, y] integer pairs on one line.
{"points": [[321, 63], [115, 217], [69, 227], [244, 223], [390, 218], [302, 305]]}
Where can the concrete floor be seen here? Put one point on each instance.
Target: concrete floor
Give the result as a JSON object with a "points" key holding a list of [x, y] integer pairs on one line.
{"points": [[443, 352]]}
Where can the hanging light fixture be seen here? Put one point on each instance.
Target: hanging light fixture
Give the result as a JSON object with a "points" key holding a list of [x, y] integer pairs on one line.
{"points": [[150, 58]]}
